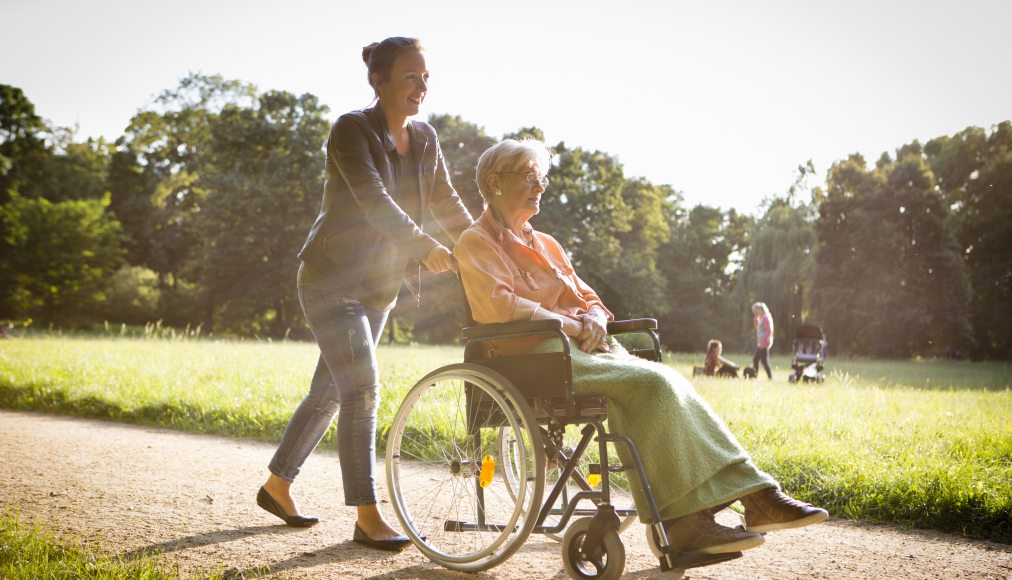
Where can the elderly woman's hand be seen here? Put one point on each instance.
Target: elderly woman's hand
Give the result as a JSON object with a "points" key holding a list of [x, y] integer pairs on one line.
{"points": [[592, 336]]}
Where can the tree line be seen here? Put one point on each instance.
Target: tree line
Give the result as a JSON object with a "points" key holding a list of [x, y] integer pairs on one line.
{"points": [[194, 216]]}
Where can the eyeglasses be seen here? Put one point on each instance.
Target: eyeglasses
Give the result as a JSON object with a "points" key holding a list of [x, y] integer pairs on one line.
{"points": [[530, 177]]}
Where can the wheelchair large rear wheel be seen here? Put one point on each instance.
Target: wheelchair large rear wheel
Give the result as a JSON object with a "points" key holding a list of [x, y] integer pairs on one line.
{"points": [[443, 456]]}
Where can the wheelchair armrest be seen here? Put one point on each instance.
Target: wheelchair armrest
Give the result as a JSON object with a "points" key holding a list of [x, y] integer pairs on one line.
{"points": [[532, 327], [630, 325], [643, 326]]}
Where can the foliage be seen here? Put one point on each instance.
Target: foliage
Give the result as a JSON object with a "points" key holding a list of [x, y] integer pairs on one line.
{"points": [[133, 296], [779, 269], [262, 177], [974, 170], [917, 443], [889, 279], [70, 169], [602, 218], [699, 266], [462, 143], [22, 142], [57, 258], [779, 266], [155, 177], [37, 160]]}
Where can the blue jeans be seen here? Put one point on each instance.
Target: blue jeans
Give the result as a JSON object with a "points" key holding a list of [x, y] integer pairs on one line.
{"points": [[346, 378]]}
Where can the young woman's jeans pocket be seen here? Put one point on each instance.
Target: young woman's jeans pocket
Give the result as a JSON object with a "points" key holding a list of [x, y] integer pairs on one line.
{"points": [[346, 383]]}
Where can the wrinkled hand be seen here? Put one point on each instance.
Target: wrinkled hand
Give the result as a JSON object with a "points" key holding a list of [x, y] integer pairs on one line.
{"points": [[439, 260], [592, 336]]}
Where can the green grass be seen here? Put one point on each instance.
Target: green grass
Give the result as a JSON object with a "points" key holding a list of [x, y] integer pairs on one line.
{"points": [[920, 443], [247, 389], [28, 552]]}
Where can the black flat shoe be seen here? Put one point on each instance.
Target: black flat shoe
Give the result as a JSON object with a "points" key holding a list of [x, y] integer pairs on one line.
{"points": [[267, 502], [395, 544]]}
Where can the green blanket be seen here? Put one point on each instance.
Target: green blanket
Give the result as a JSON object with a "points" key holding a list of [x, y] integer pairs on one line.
{"points": [[692, 461]]}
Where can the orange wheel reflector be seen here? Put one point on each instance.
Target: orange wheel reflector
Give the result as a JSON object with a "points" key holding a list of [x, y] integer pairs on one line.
{"points": [[487, 469]]}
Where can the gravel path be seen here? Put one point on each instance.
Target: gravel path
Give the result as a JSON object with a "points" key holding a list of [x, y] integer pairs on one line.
{"points": [[126, 489]]}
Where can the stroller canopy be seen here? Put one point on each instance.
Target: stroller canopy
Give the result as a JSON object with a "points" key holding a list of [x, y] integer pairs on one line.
{"points": [[809, 331]]}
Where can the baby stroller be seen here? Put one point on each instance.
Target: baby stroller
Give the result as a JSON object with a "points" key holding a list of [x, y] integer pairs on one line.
{"points": [[809, 354]]}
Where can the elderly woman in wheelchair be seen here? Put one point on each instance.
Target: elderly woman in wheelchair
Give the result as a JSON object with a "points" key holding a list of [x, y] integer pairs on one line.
{"points": [[683, 463]]}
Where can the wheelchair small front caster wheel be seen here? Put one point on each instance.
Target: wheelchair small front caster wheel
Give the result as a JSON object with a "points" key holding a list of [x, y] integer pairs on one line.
{"points": [[606, 562]]}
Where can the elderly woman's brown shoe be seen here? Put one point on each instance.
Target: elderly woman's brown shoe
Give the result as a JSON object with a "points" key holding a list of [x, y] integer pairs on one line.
{"points": [[770, 509], [699, 533]]}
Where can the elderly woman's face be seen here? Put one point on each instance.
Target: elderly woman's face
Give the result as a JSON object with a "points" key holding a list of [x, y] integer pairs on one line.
{"points": [[521, 190]]}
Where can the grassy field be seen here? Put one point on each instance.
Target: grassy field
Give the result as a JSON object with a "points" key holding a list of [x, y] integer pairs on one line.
{"points": [[921, 443], [28, 552]]}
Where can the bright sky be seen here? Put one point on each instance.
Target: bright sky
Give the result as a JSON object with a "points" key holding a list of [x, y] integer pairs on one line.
{"points": [[722, 100]]}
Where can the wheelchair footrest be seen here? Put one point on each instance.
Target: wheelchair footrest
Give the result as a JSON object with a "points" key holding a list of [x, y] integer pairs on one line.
{"points": [[459, 526], [683, 560]]}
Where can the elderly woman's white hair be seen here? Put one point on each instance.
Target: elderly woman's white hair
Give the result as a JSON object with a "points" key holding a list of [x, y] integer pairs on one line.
{"points": [[761, 306], [510, 155]]}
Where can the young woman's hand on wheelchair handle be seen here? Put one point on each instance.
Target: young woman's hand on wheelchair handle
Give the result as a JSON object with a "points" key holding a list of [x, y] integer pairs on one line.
{"points": [[439, 260]]}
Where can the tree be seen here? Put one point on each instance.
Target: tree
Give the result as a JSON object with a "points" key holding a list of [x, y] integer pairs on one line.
{"points": [[71, 170], [22, 144], [699, 266], [37, 160], [889, 280], [155, 179], [637, 278], [779, 266], [58, 258], [262, 178], [462, 144], [974, 169]]}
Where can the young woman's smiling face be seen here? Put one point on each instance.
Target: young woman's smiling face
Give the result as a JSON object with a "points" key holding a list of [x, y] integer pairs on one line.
{"points": [[404, 90]]}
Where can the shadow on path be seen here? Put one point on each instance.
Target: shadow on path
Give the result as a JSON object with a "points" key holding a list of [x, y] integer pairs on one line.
{"points": [[206, 539], [350, 551]]}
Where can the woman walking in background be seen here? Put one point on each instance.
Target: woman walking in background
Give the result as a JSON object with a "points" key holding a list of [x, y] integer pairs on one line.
{"points": [[763, 323], [384, 172]]}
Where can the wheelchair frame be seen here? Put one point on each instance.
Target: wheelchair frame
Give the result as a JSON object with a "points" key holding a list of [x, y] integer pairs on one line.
{"points": [[536, 390]]}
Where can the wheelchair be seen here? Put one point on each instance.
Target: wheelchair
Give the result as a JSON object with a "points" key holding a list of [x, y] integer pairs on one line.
{"points": [[479, 457]]}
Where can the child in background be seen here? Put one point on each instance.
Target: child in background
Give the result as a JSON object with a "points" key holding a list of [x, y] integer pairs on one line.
{"points": [[716, 365]]}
